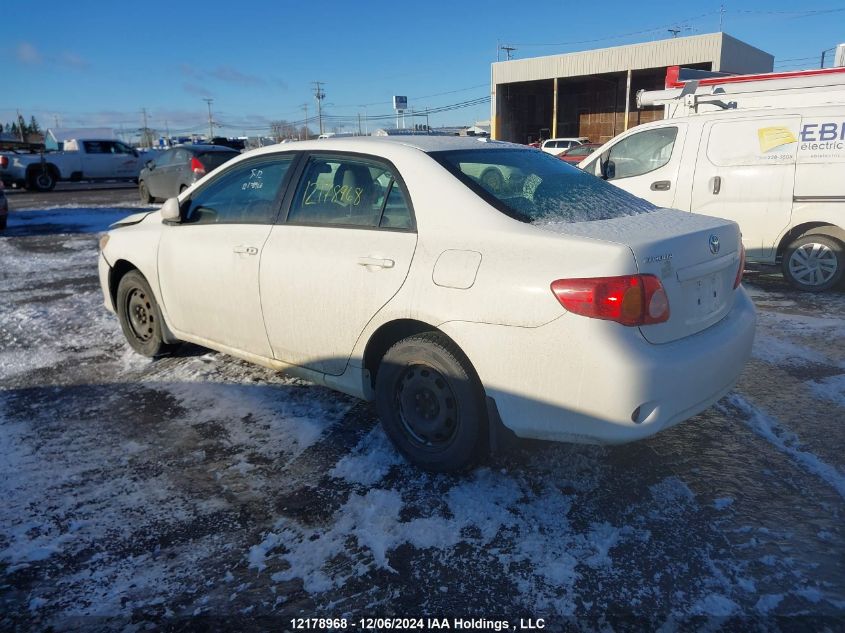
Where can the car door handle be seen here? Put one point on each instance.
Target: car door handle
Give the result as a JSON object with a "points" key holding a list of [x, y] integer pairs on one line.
{"points": [[717, 185], [376, 261], [661, 185], [245, 250]]}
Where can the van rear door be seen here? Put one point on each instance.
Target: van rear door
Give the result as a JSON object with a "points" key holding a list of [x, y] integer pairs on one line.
{"points": [[745, 172]]}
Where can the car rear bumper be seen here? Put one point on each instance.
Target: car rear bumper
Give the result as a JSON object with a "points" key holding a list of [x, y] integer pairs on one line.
{"points": [[589, 381]]}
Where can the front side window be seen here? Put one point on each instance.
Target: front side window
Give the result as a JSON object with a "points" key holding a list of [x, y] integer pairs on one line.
{"points": [[533, 186], [349, 191], [246, 194], [640, 153]]}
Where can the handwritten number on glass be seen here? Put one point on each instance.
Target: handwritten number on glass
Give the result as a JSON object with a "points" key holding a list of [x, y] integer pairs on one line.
{"points": [[254, 181]]}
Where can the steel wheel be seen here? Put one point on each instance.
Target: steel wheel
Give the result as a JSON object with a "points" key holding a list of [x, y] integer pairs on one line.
{"points": [[431, 403], [814, 262], [139, 315], [427, 407]]}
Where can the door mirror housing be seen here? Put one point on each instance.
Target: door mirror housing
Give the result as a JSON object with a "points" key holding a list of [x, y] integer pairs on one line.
{"points": [[608, 171], [171, 213]]}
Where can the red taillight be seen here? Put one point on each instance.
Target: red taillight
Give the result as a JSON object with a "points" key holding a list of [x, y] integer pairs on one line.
{"points": [[630, 300], [4, 162], [741, 270], [197, 167]]}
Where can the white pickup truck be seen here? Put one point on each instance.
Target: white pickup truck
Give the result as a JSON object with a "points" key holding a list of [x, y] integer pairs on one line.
{"points": [[81, 159]]}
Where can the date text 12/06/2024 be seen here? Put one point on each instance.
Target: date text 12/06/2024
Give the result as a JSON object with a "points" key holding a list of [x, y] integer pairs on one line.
{"points": [[415, 624]]}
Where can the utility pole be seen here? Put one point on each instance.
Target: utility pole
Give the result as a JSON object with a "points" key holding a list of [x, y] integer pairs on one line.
{"points": [[146, 141], [359, 124], [674, 31], [508, 50], [305, 125], [319, 95], [721, 16], [56, 120], [21, 125], [208, 101]]}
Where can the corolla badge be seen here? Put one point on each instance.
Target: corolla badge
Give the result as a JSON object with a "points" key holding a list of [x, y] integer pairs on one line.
{"points": [[714, 244]]}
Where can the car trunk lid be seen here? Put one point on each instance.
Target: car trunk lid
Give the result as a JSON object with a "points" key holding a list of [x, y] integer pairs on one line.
{"points": [[696, 258]]}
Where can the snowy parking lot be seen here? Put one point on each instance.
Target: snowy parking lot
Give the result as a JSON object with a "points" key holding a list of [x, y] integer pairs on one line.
{"points": [[139, 492]]}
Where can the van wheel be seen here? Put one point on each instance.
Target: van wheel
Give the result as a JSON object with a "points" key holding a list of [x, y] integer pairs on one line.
{"points": [[814, 262], [431, 404]]}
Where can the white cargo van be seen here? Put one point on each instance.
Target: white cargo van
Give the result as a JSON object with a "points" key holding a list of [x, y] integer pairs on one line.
{"points": [[778, 172]]}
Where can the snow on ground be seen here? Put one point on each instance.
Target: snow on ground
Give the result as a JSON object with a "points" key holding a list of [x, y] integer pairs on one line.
{"points": [[140, 492]]}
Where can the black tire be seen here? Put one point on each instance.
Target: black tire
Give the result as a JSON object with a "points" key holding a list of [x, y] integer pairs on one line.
{"points": [[140, 318], [431, 403], [42, 179], [144, 193], [493, 181], [3, 221], [814, 262]]}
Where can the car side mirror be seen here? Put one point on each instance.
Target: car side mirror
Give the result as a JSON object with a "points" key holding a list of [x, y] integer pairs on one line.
{"points": [[170, 211], [609, 170], [151, 164], [136, 153]]}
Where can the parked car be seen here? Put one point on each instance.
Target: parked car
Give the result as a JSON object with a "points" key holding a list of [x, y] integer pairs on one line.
{"points": [[178, 168], [4, 207], [775, 171], [88, 159], [577, 153], [568, 310], [555, 146]]}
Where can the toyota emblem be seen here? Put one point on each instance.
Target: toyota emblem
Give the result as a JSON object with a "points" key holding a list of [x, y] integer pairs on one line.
{"points": [[714, 244]]}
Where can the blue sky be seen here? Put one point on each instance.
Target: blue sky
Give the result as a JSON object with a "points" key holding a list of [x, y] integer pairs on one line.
{"points": [[100, 63]]}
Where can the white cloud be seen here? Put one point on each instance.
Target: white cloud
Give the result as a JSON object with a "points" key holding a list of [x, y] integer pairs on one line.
{"points": [[28, 54]]}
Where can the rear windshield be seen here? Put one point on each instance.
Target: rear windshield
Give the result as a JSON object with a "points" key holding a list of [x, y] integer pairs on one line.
{"points": [[536, 187], [213, 160]]}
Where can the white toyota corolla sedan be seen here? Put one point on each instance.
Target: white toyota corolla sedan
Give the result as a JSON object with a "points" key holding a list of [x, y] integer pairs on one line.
{"points": [[398, 270]]}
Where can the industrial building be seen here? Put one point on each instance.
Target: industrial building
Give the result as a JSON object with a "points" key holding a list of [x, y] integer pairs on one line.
{"points": [[592, 93]]}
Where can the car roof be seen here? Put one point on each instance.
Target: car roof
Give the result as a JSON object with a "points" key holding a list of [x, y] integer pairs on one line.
{"points": [[566, 138], [205, 148], [375, 144]]}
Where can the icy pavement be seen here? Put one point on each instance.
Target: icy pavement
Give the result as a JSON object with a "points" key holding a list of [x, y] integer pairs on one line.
{"points": [[138, 493]]}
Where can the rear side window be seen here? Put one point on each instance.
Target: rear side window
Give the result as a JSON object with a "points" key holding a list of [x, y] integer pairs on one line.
{"points": [[533, 186], [347, 191], [246, 194], [213, 160]]}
